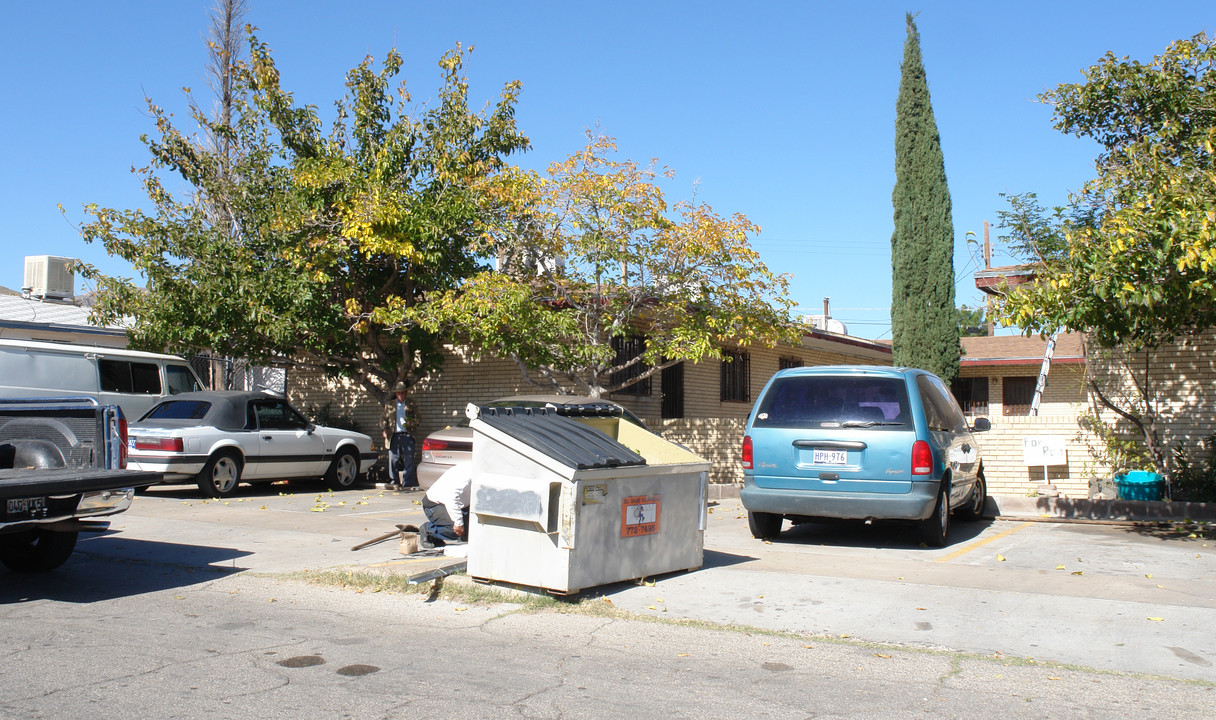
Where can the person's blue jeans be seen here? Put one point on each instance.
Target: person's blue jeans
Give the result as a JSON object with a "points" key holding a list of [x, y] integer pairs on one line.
{"points": [[401, 467], [439, 526]]}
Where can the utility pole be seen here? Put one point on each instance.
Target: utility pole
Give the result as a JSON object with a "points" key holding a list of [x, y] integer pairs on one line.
{"points": [[988, 297]]}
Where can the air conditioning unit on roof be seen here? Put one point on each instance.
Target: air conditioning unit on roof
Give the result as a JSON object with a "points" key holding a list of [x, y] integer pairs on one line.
{"points": [[47, 276]]}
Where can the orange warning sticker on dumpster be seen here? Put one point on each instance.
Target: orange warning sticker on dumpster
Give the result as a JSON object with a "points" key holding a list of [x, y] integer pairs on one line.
{"points": [[640, 515]]}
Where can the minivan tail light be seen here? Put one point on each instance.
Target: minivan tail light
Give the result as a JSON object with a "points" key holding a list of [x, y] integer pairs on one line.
{"points": [[922, 458], [747, 452]]}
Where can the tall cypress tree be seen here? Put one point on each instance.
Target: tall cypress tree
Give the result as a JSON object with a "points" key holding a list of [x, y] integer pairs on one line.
{"points": [[924, 323]]}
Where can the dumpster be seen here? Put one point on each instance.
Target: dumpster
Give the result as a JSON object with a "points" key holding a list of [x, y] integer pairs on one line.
{"points": [[566, 499], [1139, 485]]}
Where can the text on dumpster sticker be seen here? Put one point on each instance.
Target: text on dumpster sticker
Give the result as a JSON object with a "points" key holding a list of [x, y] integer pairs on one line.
{"points": [[640, 515]]}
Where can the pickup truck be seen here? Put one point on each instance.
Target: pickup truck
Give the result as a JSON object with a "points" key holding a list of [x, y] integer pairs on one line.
{"points": [[62, 466]]}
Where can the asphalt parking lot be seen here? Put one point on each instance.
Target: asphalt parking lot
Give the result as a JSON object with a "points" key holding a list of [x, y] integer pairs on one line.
{"points": [[1124, 597]]}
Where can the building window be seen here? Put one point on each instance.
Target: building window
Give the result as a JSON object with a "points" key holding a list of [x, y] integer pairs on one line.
{"points": [[971, 394], [736, 369], [671, 390], [788, 362], [1016, 395], [628, 348]]}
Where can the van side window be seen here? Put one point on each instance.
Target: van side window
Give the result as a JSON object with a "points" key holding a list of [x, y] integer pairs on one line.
{"points": [[180, 379], [122, 376], [940, 412], [145, 378], [935, 417]]}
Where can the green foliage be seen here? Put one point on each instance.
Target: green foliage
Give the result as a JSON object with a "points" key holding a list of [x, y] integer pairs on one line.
{"points": [[972, 322], [924, 321], [320, 235], [1111, 448], [590, 251], [326, 415], [1140, 263], [1194, 480], [1031, 234], [1142, 271]]}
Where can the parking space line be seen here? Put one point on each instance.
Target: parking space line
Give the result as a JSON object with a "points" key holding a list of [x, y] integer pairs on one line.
{"points": [[980, 543]]}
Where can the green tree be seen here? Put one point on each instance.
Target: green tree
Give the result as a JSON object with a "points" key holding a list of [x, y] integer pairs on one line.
{"points": [[290, 244], [972, 322], [1034, 235], [924, 321], [1142, 271], [591, 254]]}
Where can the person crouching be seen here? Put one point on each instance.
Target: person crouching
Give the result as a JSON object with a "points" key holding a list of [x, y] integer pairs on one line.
{"points": [[446, 505]]}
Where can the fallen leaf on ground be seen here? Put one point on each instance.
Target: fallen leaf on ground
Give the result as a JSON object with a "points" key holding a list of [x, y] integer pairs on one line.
{"points": [[1060, 567], [1157, 619], [1000, 558]]}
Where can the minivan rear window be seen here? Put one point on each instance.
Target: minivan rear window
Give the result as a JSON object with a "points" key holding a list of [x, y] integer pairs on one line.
{"points": [[178, 410], [830, 400]]}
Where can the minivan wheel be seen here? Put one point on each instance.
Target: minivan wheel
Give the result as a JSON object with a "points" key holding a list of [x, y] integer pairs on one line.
{"points": [[936, 528], [764, 525], [974, 510]]}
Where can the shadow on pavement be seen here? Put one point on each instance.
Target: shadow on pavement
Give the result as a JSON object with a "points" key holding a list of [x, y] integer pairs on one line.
{"points": [[190, 491], [1174, 531], [717, 559], [107, 567], [879, 534]]}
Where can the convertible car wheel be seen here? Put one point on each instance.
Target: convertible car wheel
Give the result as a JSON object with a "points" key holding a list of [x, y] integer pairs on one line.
{"points": [[220, 475]]}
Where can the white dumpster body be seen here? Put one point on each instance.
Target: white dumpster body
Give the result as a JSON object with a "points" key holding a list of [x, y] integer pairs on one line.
{"points": [[561, 517]]}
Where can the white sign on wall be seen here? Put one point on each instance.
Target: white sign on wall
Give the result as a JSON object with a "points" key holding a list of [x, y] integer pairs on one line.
{"points": [[1041, 451]]}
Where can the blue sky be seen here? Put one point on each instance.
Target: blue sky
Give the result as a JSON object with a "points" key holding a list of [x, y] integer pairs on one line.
{"points": [[783, 111]]}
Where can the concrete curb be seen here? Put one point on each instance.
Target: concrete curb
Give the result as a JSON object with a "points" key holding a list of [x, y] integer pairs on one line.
{"points": [[1058, 508]]}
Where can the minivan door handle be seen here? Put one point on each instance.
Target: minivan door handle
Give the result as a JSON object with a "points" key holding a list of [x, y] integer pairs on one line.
{"points": [[837, 444]]}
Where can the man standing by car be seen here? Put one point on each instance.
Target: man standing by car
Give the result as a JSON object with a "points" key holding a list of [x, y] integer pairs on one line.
{"points": [[401, 470]]}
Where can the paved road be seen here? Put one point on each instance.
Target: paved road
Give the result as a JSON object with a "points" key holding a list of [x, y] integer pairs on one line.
{"points": [[180, 614], [1114, 597]]}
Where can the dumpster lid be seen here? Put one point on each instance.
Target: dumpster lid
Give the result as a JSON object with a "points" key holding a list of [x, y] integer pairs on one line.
{"points": [[570, 442]]}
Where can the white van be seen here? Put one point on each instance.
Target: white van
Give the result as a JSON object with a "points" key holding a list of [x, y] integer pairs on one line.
{"points": [[130, 379]]}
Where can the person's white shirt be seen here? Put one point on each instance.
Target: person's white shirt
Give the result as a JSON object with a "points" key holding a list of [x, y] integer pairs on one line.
{"points": [[452, 491]]}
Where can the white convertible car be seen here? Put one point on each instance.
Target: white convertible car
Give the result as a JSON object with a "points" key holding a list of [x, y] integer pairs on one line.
{"points": [[222, 438]]}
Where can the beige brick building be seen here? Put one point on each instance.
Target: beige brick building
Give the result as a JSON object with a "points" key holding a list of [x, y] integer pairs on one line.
{"points": [[703, 405]]}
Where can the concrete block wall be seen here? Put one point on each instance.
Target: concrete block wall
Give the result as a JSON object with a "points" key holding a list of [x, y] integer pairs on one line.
{"points": [[1181, 377], [1003, 454], [719, 440]]}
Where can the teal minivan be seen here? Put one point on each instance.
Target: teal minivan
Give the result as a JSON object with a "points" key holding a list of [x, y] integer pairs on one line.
{"points": [[861, 442]]}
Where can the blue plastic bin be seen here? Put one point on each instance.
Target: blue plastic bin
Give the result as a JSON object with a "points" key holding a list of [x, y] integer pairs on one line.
{"points": [[1140, 485]]}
